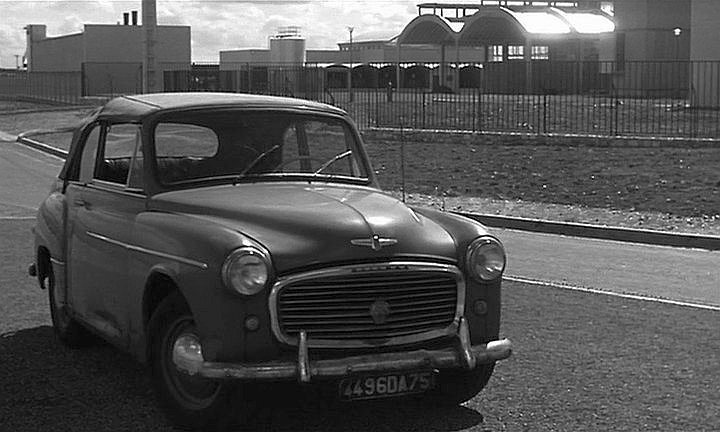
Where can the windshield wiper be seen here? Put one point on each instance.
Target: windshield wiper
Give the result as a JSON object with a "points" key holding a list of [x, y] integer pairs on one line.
{"points": [[333, 160], [255, 162]]}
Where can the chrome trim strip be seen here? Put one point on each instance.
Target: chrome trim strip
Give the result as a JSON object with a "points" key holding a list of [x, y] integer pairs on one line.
{"points": [[375, 242], [450, 330], [303, 359], [466, 354], [134, 248], [447, 358]]}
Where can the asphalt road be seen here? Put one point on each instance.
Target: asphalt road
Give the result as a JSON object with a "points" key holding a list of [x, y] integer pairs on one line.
{"points": [[582, 362], [683, 275]]}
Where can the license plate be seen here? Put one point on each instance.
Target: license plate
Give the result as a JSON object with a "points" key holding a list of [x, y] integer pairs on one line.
{"points": [[386, 385]]}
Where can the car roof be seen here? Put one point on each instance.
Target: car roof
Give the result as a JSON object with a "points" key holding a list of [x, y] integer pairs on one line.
{"points": [[136, 107]]}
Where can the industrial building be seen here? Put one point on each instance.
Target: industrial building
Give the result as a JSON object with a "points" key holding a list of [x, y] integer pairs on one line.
{"points": [[108, 56], [448, 44]]}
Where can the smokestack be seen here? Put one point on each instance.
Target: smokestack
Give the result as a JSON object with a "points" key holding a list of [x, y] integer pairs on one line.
{"points": [[126, 18], [134, 18], [152, 81]]}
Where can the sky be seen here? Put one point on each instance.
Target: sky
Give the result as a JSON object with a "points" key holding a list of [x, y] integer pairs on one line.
{"points": [[216, 24]]}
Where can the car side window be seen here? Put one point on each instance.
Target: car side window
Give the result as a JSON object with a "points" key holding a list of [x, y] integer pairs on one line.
{"points": [[120, 160], [89, 154]]}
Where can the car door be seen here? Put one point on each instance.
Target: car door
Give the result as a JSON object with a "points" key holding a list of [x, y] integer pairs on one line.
{"points": [[103, 206]]}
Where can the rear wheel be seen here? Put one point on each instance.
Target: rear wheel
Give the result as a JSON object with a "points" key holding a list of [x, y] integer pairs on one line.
{"points": [[191, 402], [68, 330], [455, 387]]}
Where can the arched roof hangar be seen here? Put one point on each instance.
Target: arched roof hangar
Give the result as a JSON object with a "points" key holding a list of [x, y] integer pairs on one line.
{"points": [[503, 25]]}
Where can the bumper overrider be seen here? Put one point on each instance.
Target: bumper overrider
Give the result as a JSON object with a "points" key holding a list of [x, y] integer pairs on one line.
{"points": [[187, 357]]}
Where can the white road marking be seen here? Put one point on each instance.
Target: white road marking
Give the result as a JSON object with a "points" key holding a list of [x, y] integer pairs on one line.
{"points": [[17, 217], [566, 286]]}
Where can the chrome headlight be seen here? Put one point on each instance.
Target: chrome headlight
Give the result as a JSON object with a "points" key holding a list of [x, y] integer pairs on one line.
{"points": [[246, 271], [485, 259]]}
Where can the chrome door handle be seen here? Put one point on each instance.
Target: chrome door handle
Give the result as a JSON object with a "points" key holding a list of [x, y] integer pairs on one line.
{"points": [[79, 202]]}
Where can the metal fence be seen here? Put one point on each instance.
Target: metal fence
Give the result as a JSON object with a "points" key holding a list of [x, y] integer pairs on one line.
{"points": [[63, 87], [626, 99], [629, 99]]}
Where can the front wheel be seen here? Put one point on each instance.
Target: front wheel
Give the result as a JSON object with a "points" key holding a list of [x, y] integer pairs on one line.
{"points": [[455, 387], [191, 402]]}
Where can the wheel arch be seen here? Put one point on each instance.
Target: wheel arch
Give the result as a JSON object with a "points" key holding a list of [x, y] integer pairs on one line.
{"points": [[158, 285]]}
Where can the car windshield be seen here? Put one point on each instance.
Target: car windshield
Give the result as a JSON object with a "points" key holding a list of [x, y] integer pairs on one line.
{"points": [[239, 146]]}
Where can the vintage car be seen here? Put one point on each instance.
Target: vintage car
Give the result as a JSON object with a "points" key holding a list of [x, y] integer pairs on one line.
{"points": [[229, 239]]}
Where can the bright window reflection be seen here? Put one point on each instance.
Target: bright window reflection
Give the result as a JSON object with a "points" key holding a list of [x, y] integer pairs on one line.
{"points": [[590, 23], [542, 22]]}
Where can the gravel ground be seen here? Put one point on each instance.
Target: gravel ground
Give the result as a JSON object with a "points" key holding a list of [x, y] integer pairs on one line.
{"points": [[581, 362]]}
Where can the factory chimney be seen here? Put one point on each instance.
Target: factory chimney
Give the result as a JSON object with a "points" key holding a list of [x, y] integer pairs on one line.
{"points": [[151, 74]]}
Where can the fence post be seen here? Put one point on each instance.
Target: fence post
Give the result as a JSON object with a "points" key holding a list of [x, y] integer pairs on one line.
{"points": [[377, 108], [423, 108], [249, 75], [474, 111], [544, 110], [480, 124]]}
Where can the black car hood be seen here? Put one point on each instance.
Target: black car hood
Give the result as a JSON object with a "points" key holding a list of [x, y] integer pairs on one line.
{"points": [[303, 225]]}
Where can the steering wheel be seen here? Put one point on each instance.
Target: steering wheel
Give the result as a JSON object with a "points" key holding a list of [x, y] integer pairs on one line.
{"points": [[282, 165]]}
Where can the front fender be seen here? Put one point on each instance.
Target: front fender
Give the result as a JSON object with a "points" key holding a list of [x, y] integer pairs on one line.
{"points": [[485, 326], [191, 252], [49, 230]]}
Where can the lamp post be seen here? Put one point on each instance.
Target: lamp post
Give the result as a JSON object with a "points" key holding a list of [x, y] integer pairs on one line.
{"points": [[350, 89], [677, 31]]}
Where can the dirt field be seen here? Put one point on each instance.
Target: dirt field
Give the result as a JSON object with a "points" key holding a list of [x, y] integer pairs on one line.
{"points": [[668, 188]]}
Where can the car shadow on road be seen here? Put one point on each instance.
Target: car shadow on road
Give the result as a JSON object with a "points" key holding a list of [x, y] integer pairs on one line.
{"points": [[46, 386]]}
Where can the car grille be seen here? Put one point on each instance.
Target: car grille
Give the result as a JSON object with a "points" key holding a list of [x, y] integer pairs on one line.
{"points": [[385, 304]]}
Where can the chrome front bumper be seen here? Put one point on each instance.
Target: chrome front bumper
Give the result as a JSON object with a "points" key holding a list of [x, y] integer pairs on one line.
{"points": [[187, 356]]}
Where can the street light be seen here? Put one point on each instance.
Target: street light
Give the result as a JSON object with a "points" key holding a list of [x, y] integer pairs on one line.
{"points": [[676, 32], [350, 89]]}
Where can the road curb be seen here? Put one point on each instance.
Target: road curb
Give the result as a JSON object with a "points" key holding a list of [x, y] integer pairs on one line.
{"points": [[599, 231], [37, 145], [535, 225]]}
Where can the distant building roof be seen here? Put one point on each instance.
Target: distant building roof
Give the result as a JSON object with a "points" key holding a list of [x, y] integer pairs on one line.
{"points": [[498, 22]]}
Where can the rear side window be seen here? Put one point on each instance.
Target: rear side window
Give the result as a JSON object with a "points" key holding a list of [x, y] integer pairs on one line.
{"points": [[121, 160], [185, 140], [89, 154]]}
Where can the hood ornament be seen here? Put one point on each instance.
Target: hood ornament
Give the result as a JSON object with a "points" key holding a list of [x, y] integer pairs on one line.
{"points": [[375, 242]]}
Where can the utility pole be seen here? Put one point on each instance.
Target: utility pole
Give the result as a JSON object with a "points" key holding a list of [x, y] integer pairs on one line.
{"points": [[350, 88], [151, 78]]}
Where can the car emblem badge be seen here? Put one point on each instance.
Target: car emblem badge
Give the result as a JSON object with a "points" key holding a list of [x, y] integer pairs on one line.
{"points": [[379, 311], [375, 242]]}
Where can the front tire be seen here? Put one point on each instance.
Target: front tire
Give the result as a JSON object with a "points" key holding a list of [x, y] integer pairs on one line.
{"points": [[191, 402], [70, 332]]}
